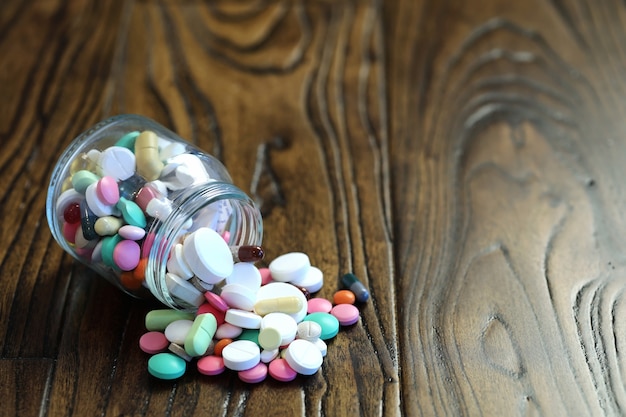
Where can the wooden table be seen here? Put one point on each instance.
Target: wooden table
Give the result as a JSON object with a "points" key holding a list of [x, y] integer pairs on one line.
{"points": [[465, 159]]}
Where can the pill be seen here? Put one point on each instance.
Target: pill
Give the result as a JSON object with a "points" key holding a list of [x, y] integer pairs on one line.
{"points": [[219, 315], [200, 335], [171, 150], [254, 375], [242, 318], [291, 266], [158, 320], [208, 255], [131, 212], [321, 345], [176, 331], [126, 255], [241, 355], [216, 301], [131, 232], [303, 357], [108, 249], [107, 190], [108, 225], [69, 231], [284, 323], [149, 164], [130, 186], [81, 242], [270, 338], [128, 281], [266, 276], [66, 198], [228, 331], [328, 323], [247, 253], [211, 365], [351, 282], [99, 207], [153, 342], [128, 140], [88, 221], [179, 351], [309, 330], [183, 290], [166, 366], [312, 281], [319, 305], [245, 274], [282, 289], [159, 209], [239, 296], [117, 162], [144, 196], [83, 179], [280, 370], [344, 297], [250, 334], [269, 355], [346, 314], [220, 345], [72, 213], [290, 304]]}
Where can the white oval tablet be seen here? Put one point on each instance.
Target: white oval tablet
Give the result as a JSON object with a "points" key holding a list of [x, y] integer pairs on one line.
{"points": [[177, 331], [243, 319], [282, 322], [208, 255], [303, 357], [238, 296], [183, 290], [282, 289], [291, 266], [313, 281], [241, 355], [245, 274], [227, 331]]}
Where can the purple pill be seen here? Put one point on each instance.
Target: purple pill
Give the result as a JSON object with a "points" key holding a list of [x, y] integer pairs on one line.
{"points": [[126, 255]]}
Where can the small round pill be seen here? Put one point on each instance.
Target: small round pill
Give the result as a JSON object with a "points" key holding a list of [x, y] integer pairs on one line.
{"points": [[153, 342], [346, 314], [211, 365], [166, 366], [177, 331], [351, 282], [280, 370], [290, 267], [309, 330], [303, 357], [319, 305], [344, 297], [107, 190], [131, 232], [126, 255], [254, 375], [220, 345], [328, 323], [72, 213], [270, 338], [241, 355]]}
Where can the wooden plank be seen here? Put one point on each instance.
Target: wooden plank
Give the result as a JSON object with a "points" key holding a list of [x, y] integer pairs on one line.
{"points": [[23, 385]]}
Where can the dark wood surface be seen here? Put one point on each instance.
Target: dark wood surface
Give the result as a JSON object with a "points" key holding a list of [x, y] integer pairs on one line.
{"points": [[466, 159]]}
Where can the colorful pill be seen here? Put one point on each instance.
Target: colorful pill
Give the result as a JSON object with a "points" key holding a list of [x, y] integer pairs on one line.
{"points": [[247, 253], [290, 304], [351, 282], [166, 366], [199, 337], [344, 297], [149, 165], [88, 221]]}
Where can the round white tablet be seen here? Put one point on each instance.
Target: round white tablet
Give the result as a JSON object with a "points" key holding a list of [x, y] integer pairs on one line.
{"points": [[241, 355], [243, 319], [282, 322], [177, 331], [117, 162], [208, 255], [269, 355], [238, 296], [177, 264], [309, 330], [245, 274], [303, 357], [183, 290], [291, 266], [313, 281], [282, 289], [100, 208], [321, 345]]}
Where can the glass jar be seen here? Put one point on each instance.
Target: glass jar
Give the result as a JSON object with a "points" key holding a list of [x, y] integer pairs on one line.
{"points": [[177, 188]]}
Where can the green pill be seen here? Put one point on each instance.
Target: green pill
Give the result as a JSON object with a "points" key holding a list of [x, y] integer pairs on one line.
{"points": [[166, 366], [83, 179], [158, 320]]}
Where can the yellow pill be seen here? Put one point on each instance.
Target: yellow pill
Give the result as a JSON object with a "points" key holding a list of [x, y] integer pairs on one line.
{"points": [[288, 305], [108, 225], [149, 164]]}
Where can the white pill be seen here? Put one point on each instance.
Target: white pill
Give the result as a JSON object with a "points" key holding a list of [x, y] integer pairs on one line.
{"points": [[289, 267], [176, 331], [177, 264], [208, 255], [238, 296], [158, 186], [309, 330], [117, 162], [65, 199], [241, 355], [321, 345], [269, 355], [227, 331], [159, 209], [313, 281], [183, 290], [242, 318], [282, 322], [245, 274], [99, 207], [81, 242], [281, 289], [171, 150], [131, 232], [303, 357]]}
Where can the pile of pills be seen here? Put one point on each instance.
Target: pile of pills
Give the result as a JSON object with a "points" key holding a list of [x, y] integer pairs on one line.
{"points": [[263, 322]]}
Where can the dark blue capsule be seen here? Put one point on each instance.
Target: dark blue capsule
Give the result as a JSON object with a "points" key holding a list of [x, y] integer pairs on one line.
{"points": [[88, 221], [351, 282], [131, 186]]}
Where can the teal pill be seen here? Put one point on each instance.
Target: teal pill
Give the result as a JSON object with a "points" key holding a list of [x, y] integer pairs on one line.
{"points": [[328, 323], [128, 140], [250, 334], [166, 366], [108, 246], [83, 179], [132, 213]]}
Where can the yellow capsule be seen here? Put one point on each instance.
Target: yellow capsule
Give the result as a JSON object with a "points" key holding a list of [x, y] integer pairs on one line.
{"points": [[149, 164], [288, 305]]}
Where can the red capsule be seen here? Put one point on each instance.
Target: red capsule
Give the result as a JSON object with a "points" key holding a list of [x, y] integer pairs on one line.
{"points": [[72, 213], [247, 253]]}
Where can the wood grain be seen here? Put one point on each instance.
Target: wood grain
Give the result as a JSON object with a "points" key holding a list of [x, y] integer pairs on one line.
{"points": [[464, 159]]}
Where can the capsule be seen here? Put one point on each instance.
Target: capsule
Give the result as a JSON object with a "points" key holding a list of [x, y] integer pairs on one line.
{"points": [[149, 165], [247, 253], [88, 221], [351, 282], [289, 305]]}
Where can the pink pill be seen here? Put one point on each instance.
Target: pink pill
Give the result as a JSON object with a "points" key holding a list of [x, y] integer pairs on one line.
{"points": [[254, 375], [266, 276], [144, 196], [153, 342], [226, 236], [126, 255], [220, 316], [280, 370], [147, 245], [319, 305], [347, 314], [211, 365], [131, 232], [69, 231], [107, 190], [216, 301]]}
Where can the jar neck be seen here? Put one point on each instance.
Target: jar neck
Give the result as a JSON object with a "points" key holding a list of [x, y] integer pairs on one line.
{"points": [[219, 205]]}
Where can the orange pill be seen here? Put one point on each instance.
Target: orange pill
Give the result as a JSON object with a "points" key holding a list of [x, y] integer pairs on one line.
{"points": [[344, 297], [128, 281], [140, 271], [220, 345]]}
